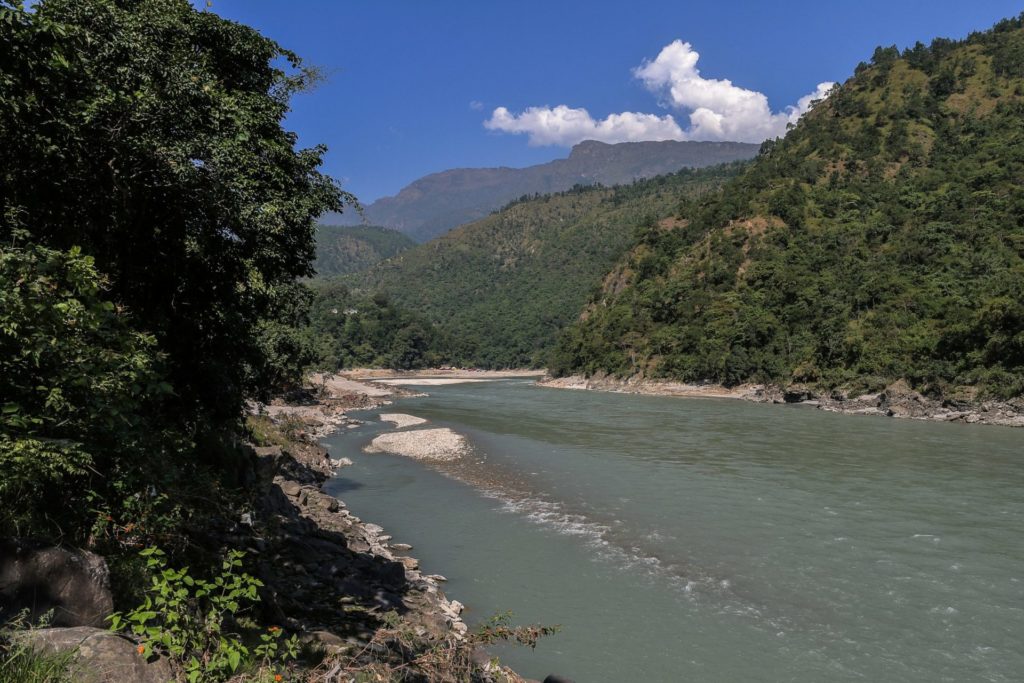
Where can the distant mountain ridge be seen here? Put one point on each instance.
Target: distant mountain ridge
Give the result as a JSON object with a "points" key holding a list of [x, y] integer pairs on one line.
{"points": [[436, 203]]}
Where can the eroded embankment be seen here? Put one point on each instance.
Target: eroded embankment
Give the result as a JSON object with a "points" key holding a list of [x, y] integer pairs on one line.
{"points": [[335, 577]]}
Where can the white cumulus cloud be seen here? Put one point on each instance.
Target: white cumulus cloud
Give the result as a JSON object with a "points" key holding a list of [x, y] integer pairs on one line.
{"points": [[566, 126], [717, 109]]}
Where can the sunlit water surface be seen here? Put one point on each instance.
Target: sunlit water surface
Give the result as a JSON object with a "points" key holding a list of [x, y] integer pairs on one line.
{"points": [[714, 540]]}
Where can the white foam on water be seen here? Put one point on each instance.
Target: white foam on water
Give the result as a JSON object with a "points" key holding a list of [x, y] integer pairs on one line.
{"points": [[604, 539], [552, 515]]}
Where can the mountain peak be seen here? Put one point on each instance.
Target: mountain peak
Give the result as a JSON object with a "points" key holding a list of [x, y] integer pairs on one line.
{"points": [[436, 203]]}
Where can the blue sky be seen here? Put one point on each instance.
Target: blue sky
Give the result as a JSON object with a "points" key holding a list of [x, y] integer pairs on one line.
{"points": [[413, 82]]}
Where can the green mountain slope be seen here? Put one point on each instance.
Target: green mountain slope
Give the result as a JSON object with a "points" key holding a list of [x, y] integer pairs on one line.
{"points": [[436, 203], [344, 249], [882, 239], [502, 288]]}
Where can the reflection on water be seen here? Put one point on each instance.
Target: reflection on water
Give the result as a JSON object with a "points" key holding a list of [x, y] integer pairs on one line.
{"points": [[714, 539]]}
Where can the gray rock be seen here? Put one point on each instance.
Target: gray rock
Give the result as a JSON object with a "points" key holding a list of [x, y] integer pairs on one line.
{"points": [[392, 573], [75, 584], [357, 545], [328, 503], [331, 643], [102, 656], [291, 488], [796, 394]]}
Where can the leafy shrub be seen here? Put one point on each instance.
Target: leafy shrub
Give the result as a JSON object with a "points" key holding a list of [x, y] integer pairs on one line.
{"points": [[78, 387], [190, 620]]}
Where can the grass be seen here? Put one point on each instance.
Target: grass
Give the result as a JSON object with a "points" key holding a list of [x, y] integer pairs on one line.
{"points": [[21, 663]]}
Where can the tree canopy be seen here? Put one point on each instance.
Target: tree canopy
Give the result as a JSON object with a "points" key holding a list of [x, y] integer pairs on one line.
{"points": [[154, 217], [149, 135]]}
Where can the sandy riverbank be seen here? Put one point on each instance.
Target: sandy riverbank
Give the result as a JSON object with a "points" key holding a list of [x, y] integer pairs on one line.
{"points": [[432, 381], [442, 373], [896, 400], [749, 392]]}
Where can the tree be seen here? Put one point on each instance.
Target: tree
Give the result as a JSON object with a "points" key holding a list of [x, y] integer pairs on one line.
{"points": [[149, 134], [78, 387]]}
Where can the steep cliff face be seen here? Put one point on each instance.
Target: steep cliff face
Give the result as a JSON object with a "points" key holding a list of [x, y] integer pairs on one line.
{"points": [[882, 239], [441, 201]]}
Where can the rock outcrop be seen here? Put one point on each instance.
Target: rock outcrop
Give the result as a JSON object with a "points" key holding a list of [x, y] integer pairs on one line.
{"points": [[101, 656], [38, 577]]}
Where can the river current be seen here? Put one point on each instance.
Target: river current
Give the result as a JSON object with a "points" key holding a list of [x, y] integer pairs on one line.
{"points": [[713, 540]]}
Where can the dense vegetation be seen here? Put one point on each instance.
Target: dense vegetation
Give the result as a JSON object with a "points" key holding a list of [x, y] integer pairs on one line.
{"points": [[882, 239], [342, 249], [155, 222], [154, 219], [436, 203], [500, 290], [350, 331]]}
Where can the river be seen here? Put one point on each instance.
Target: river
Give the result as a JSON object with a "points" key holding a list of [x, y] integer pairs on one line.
{"points": [[713, 540]]}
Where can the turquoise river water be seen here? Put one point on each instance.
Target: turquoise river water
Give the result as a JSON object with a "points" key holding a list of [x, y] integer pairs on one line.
{"points": [[713, 540]]}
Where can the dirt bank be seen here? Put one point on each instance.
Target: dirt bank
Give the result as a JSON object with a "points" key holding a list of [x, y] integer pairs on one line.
{"points": [[896, 400]]}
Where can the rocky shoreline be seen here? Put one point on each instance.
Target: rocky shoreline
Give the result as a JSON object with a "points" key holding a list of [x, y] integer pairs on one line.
{"points": [[332, 556], [896, 400], [343, 585]]}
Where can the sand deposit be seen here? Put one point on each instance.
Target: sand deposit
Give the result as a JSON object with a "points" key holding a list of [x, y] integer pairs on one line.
{"points": [[431, 382], [422, 444], [402, 420]]}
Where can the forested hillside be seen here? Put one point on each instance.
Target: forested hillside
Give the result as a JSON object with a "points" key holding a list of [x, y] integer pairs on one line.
{"points": [[353, 331], [882, 239], [500, 290], [342, 249], [438, 202]]}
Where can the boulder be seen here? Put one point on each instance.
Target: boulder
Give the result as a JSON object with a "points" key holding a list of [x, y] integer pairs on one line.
{"points": [[330, 643], [102, 656], [75, 584], [291, 488], [797, 393], [392, 573]]}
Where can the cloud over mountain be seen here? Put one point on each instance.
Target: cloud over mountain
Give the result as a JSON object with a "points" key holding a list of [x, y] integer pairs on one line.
{"points": [[566, 126], [717, 109]]}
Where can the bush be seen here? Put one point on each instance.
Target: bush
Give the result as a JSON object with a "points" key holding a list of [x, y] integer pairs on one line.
{"points": [[190, 619], [79, 389]]}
